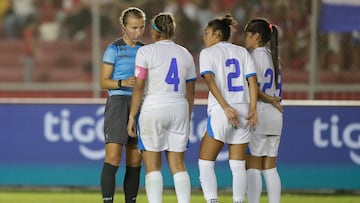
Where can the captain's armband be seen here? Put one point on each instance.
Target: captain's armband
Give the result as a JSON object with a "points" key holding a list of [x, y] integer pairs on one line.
{"points": [[141, 72]]}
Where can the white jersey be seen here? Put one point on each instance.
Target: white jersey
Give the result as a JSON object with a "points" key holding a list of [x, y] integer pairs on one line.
{"points": [[270, 119], [265, 74], [168, 67], [231, 65]]}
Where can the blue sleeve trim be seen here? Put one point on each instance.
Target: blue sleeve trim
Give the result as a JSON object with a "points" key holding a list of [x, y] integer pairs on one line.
{"points": [[250, 75], [206, 72], [191, 80], [109, 63]]}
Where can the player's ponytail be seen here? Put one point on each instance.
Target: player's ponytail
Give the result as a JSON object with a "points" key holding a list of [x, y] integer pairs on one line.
{"points": [[269, 33], [274, 47], [222, 25], [164, 24]]}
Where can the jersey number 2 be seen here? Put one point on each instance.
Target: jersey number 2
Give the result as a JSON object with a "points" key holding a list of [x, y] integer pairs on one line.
{"points": [[234, 75], [172, 77], [268, 73]]}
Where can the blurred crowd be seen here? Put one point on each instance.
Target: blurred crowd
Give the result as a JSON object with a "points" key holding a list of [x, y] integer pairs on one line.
{"points": [[71, 20]]}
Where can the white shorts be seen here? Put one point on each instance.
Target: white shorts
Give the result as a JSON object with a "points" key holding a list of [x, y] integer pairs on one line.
{"points": [[164, 128], [264, 145], [270, 121], [266, 138], [219, 128]]}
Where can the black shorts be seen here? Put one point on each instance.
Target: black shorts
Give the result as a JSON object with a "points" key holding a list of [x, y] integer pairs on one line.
{"points": [[116, 117]]}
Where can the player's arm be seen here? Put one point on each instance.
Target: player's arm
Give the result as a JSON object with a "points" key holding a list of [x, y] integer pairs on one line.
{"points": [[275, 101], [136, 100], [107, 83], [105, 77], [214, 89], [190, 94], [141, 74], [230, 112], [253, 90]]}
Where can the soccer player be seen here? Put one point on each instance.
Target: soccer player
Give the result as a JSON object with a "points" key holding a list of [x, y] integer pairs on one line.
{"points": [[117, 75], [164, 88], [264, 143], [230, 75]]}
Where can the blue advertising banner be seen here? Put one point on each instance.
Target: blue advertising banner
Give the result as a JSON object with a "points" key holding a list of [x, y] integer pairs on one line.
{"points": [[340, 16], [50, 144]]}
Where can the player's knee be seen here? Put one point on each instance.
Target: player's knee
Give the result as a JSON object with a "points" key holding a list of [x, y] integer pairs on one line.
{"points": [[136, 162], [113, 160], [175, 168]]}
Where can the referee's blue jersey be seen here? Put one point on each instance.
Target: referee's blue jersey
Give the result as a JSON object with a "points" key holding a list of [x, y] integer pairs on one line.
{"points": [[122, 57]]}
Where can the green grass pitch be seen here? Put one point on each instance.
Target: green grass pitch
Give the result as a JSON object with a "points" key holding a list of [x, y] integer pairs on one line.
{"points": [[168, 197]]}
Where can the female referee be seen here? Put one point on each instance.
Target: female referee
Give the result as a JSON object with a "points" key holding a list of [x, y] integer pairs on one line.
{"points": [[117, 75], [229, 72], [164, 88], [264, 143]]}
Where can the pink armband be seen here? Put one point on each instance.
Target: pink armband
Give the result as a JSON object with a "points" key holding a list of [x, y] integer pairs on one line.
{"points": [[141, 72]]}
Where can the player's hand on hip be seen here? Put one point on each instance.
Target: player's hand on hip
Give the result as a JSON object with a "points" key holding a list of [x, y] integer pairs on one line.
{"points": [[252, 119], [232, 116], [277, 104]]}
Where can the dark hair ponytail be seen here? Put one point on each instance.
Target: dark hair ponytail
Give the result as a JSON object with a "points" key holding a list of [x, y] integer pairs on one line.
{"points": [[274, 47], [223, 25], [268, 32]]}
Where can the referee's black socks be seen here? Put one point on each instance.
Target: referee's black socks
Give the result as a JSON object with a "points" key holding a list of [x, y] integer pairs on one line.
{"points": [[108, 182], [131, 183]]}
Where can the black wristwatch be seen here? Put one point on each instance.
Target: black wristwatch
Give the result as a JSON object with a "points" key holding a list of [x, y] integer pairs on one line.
{"points": [[119, 84]]}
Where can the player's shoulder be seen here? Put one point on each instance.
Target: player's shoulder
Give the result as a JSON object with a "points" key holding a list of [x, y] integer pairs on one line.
{"points": [[184, 50], [121, 42], [237, 47], [147, 46], [261, 51], [261, 54], [140, 43], [149, 49], [118, 42], [226, 45], [209, 50]]}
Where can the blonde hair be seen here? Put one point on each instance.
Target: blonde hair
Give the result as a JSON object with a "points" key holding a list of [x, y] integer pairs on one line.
{"points": [[131, 11], [164, 24]]}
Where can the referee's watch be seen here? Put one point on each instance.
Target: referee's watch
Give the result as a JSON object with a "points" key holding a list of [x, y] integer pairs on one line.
{"points": [[119, 84]]}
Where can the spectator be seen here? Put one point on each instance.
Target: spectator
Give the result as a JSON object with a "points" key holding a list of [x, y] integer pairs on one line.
{"points": [[14, 22], [49, 26], [4, 9], [31, 48]]}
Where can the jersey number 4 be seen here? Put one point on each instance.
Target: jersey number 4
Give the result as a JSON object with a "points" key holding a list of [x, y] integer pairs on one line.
{"points": [[172, 77]]}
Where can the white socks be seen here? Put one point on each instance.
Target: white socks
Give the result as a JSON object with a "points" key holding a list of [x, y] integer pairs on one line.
{"points": [[209, 183], [154, 186], [254, 187], [239, 180], [273, 185], [272, 181], [182, 186], [208, 180]]}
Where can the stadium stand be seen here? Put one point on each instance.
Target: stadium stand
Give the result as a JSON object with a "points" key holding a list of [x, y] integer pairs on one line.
{"points": [[69, 60]]}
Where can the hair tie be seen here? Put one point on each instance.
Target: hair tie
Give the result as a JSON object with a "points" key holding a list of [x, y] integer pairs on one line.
{"points": [[153, 25], [270, 26]]}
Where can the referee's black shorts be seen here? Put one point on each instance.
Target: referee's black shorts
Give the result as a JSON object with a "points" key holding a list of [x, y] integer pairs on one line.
{"points": [[116, 117]]}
